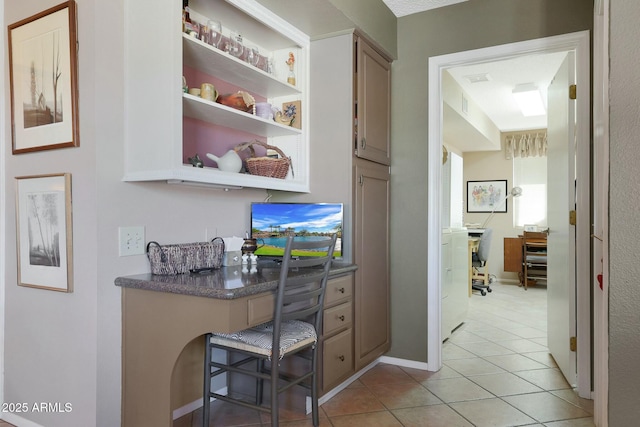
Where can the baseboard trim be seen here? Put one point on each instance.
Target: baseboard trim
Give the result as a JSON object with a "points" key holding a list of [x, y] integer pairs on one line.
{"points": [[382, 359], [17, 420], [187, 409], [342, 385], [405, 363], [196, 404]]}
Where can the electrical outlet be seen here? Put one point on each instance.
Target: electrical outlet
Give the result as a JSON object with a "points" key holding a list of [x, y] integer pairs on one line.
{"points": [[131, 241]]}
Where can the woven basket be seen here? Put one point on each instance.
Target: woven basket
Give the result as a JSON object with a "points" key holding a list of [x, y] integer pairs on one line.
{"points": [[266, 166], [181, 258]]}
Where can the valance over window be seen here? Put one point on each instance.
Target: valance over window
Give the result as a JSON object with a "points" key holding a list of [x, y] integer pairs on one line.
{"points": [[526, 145]]}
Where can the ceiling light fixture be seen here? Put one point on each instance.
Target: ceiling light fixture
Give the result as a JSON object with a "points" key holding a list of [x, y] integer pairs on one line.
{"points": [[529, 100]]}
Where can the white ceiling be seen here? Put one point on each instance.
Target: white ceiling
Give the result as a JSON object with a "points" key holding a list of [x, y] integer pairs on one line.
{"points": [[408, 7], [494, 96]]}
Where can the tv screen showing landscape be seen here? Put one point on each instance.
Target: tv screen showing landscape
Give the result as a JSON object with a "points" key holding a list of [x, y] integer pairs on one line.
{"points": [[272, 223]]}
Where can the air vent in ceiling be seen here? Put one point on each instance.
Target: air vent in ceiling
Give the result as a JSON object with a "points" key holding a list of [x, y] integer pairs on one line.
{"points": [[477, 78]]}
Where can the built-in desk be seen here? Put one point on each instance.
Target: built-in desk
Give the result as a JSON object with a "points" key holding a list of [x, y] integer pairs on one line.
{"points": [[162, 314]]}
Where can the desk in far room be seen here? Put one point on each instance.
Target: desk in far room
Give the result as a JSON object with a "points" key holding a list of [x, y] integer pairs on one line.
{"points": [[513, 254]]}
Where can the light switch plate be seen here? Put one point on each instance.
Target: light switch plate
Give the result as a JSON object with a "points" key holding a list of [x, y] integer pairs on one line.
{"points": [[131, 241]]}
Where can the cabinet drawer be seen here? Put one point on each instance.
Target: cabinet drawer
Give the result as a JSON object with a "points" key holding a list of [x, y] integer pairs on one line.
{"points": [[337, 359], [338, 289], [337, 317], [260, 309]]}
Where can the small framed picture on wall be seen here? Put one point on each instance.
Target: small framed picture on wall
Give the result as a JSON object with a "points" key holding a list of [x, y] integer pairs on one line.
{"points": [[43, 80], [44, 222], [487, 196]]}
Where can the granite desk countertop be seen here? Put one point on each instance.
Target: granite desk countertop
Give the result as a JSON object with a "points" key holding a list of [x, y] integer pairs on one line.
{"points": [[224, 283]]}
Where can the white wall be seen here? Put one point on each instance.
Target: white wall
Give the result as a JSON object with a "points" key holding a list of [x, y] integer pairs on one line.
{"points": [[2, 211], [492, 165], [460, 27], [624, 199], [67, 347], [50, 337]]}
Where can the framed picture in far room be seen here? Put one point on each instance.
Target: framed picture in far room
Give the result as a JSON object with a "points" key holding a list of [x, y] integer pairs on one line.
{"points": [[43, 80], [487, 196], [44, 231]]}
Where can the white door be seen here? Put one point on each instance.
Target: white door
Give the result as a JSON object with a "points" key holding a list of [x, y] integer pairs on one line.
{"points": [[561, 179]]}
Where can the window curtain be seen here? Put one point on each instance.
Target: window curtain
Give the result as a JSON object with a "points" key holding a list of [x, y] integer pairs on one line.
{"points": [[526, 145]]}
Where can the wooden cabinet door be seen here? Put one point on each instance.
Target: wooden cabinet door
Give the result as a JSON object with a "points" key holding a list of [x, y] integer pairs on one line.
{"points": [[337, 353], [513, 254], [373, 106], [371, 253]]}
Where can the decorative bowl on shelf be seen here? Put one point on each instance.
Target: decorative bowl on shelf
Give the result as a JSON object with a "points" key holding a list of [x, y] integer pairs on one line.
{"points": [[240, 100]]}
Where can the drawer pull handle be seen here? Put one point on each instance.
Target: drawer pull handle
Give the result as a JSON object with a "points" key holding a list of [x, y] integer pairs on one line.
{"points": [[341, 358], [341, 290], [341, 318]]}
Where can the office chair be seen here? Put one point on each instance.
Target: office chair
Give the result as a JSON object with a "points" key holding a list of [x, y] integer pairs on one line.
{"points": [[296, 326], [480, 281]]}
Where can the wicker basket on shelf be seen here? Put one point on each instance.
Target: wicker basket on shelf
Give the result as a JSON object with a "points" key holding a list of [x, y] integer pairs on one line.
{"points": [[266, 166]]}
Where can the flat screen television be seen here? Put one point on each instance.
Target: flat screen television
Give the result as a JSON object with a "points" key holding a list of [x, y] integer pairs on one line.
{"points": [[272, 223]]}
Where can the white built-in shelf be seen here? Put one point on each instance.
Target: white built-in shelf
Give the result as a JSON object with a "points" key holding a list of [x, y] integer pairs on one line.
{"points": [[218, 114], [157, 107], [220, 64]]}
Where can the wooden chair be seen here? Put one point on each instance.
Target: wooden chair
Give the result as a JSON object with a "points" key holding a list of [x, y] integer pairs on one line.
{"points": [[294, 331], [534, 256]]}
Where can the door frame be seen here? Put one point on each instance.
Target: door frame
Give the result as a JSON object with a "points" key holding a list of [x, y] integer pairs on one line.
{"points": [[578, 42], [601, 209]]}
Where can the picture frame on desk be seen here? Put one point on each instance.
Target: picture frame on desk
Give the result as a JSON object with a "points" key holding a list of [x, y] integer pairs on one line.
{"points": [[487, 196]]}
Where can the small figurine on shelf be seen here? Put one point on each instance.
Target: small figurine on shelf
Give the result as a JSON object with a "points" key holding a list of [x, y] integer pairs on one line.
{"points": [[196, 161], [188, 26], [291, 77], [186, 18]]}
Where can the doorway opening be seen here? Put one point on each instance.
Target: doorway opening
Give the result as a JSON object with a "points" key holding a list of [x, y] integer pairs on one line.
{"points": [[579, 44]]}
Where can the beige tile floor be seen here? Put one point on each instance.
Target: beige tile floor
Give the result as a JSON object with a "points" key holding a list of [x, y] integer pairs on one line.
{"points": [[497, 372]]}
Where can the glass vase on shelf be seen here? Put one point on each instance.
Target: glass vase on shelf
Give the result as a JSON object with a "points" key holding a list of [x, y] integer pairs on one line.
{"points": [[235, 46], [291, 77], [270, 65], [215, 33]]}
